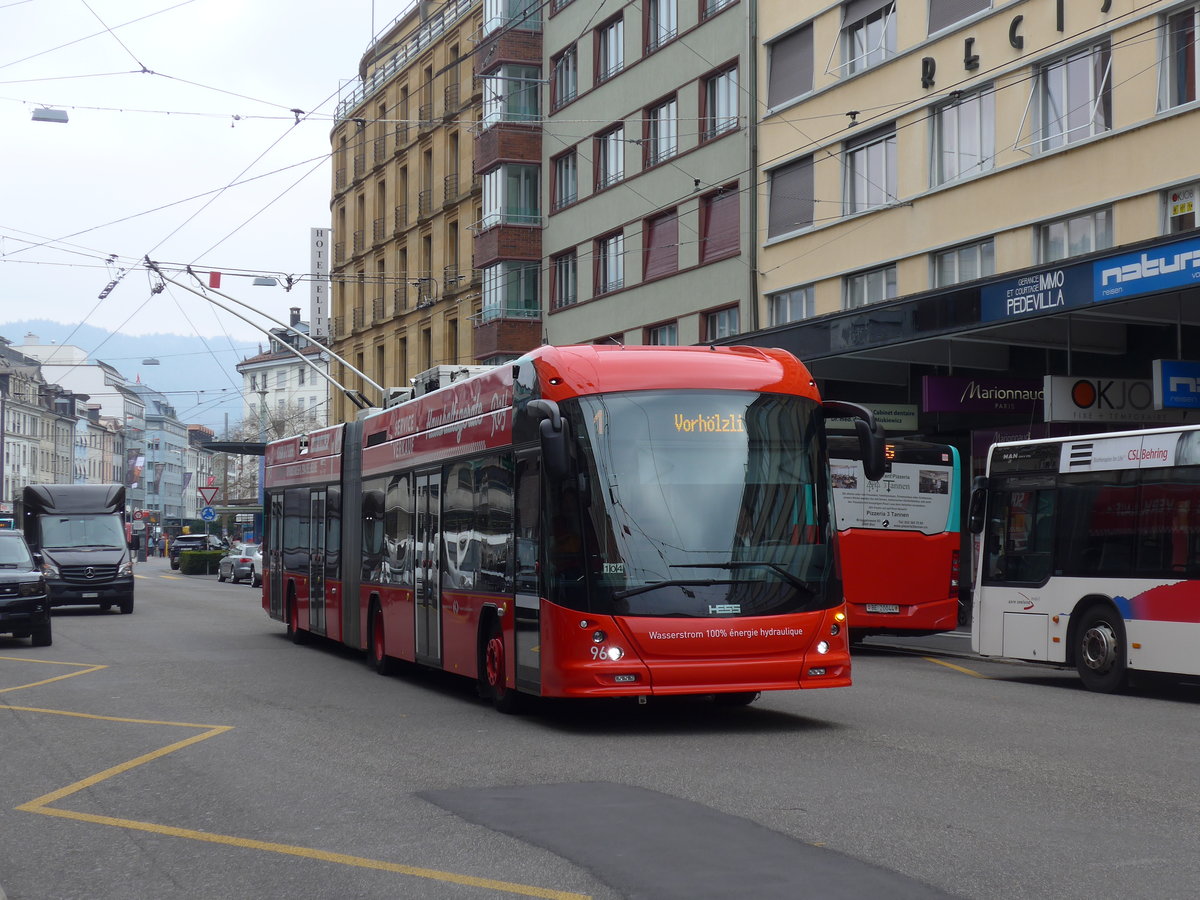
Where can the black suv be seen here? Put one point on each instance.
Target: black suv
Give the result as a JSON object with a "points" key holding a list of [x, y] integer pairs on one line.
{"points": [[24, 597], [193, 542]]}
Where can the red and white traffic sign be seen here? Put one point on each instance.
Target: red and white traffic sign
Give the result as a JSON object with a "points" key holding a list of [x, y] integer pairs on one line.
{"points": [[207, 494]]}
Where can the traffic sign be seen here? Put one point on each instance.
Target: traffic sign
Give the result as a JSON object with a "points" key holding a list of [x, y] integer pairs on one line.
{"points": [[208, 514], [138, 514], [207, 494]]}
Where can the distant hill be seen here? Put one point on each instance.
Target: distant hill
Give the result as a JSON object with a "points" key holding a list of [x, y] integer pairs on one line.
{"points": [[198, 374]]}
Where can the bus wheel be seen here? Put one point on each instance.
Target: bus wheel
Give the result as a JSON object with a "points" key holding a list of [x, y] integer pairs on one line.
{"points": [[493, 672], [741, 698], [293, 624], [380, 661], [1100, 650]]}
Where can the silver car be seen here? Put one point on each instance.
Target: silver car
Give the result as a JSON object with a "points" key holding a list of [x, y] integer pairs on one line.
{"points": [[243, 562]]}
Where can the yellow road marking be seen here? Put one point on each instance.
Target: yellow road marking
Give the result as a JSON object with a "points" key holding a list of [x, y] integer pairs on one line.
{"points": [[41, 806], [963, 669], [84, 669]]}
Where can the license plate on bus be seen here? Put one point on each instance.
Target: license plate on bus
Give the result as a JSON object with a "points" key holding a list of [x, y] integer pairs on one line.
{"points": [[883, 607], [87, 595]]}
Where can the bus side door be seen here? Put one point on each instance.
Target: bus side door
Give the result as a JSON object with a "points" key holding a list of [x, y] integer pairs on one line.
{"points": [[528, 604], [427, 494]]}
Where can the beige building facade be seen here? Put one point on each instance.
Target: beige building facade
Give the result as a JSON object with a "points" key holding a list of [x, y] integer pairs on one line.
{"points": [[404, 199], [920, 154]]}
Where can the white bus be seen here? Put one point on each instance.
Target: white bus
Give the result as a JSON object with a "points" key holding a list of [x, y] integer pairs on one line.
{"points": [[1089, 554]]}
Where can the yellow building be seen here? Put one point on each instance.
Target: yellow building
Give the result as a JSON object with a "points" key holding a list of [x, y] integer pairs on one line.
{"points": [[404, 200], [948, 185]]}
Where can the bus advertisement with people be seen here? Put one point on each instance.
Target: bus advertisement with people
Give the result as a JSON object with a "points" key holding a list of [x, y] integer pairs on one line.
{"points": [[1090, 553], [584, 522], [899, 537]]}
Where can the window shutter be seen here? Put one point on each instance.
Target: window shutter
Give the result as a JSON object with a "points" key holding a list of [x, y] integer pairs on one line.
{"points": [[721, 236], [791, 198], [661, 236], [791, 70]]}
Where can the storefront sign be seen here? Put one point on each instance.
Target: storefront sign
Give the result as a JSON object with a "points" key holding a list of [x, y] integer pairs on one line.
{"points": [[894, 417], [940, 393], [1162, 268], [1070, 399], [1176, 384], [1047, 291]]}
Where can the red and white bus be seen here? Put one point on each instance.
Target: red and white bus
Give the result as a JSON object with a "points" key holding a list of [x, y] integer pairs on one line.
{"points": [[1090, 554], [899, 536], [585, 522]]}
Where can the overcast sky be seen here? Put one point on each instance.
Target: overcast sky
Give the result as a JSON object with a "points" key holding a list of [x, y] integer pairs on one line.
{"points": [[181, 145]]}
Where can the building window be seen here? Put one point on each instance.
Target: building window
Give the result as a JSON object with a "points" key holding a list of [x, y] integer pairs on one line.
{"points": [[720, 113], [721, 323], [944, 13], [965, 263], [300, 376], [660, 245], [720, 234], [510, 94], [871, 286], [871, 171], [610, 263], [525, 15], [662, 23], [281, 378], [790, 306], [1181, 208], [790, 72], [964, 137], [790, 197], [566, 179], [1179, 79], [712, 7], [610, 157], [610, 49], [1075, 97], [566, 279], [510, 291], [1075, 235], [868, 33], [665, 335], [662, 131], [510, 196], [564, 78]]}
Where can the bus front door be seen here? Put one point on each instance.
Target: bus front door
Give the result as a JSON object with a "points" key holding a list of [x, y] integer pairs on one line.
{"points": [[316, 563], [274, 558], [427, 490]]}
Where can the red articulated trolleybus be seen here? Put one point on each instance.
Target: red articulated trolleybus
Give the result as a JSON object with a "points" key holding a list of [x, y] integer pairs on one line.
{"points": [[587, 521]]}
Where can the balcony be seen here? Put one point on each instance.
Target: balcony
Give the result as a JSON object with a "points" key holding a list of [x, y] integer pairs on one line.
{"points": [[379, 231], [400, 296], [377, 310], [380, 149], [450, 101], [359, 320], [339, 252], [360, 166], [359, 244], [425, 203], [425, 117], [452, 279], [339, 179], [450, 189], [401, 219], [401, 135]]}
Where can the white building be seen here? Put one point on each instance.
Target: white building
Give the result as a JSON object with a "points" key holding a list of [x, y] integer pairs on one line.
{"points": [[282, 392]]}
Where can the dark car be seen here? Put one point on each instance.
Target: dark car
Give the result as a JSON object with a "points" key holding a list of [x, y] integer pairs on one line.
{"points": [[184, 542], [242, 562], [24, 596]]}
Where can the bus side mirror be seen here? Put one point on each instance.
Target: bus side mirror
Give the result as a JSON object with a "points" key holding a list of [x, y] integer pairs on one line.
{"points": [[555, 458], [978, 508], [870, 433]]}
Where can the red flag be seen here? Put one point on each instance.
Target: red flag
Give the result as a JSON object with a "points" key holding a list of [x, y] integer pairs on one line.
{"points": [[214, 279]]}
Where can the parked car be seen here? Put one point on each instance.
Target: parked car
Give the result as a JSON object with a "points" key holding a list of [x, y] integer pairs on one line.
{"points": [[242, 562], [193, 542], [24, 595]]}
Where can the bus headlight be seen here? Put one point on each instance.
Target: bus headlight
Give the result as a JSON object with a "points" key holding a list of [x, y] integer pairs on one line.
{"points": [[822, 646]]}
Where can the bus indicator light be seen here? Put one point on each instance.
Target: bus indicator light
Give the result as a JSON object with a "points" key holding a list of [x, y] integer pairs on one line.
{"points": [[814, 672], [599, 637]]}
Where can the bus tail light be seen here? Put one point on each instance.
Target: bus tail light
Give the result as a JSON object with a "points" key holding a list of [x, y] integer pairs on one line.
{"points": [[953, 572]]}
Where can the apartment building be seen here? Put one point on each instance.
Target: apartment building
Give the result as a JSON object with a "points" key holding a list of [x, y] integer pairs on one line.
{"points": [[648, 173], [285, 387], [403, 203], [973, 208]]}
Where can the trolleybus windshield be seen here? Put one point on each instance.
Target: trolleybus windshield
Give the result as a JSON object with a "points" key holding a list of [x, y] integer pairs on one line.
{"points": [[697, 503]]}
